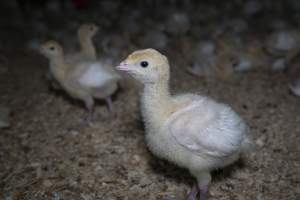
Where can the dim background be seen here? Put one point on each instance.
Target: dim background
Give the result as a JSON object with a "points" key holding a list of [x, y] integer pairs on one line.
{"points": [[44, 154]]}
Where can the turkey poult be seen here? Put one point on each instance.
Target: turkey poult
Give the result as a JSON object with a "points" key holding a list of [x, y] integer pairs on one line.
{"points": [[87, 52], [85, 34], [189, 130], [84, 80], [283, 45], [205, 57]]}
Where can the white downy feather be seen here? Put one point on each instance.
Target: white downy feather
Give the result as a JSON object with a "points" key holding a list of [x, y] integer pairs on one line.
{"points": [[95, 76]]}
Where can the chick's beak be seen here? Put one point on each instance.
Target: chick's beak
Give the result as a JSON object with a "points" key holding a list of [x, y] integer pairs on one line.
{"points": [[124, 66]]}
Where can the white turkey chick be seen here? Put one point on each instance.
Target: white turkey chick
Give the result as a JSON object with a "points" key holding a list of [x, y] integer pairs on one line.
{"points": [[84, 80], [189, 130], [204, 58], [282, 45]]}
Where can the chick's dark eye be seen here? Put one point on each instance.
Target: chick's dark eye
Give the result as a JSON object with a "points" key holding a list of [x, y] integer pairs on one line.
{"points": [[52, 48], [144, 64]]}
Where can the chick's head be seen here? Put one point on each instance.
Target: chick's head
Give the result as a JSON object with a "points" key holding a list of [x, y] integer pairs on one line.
{"points": [[88, 30], [51, 49], [147, 66]]}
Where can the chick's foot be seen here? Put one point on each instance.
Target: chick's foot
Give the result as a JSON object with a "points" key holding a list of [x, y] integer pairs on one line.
{"points": [[191, 196]]}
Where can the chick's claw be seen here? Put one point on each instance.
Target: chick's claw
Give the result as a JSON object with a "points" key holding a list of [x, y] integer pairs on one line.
{"points": [[92, 117], [191, 196]]}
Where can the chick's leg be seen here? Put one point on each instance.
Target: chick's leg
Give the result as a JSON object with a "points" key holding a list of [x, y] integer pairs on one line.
{"points": [[203, 179], [89, 104], [203, 193], [193, 194], [110, 105]]}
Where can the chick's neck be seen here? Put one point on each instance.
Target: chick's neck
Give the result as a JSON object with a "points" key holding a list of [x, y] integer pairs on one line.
{"points": [[58, 67], [87, 47], [156, 101]]}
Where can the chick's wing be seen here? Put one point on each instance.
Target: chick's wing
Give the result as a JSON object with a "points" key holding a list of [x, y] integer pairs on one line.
{"points": [[208, 128]]}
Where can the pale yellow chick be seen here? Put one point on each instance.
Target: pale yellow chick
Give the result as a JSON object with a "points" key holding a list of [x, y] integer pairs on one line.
{"points": [[283, 46], [87, 52], [85, 34], [189, 130], [212, 60], [84, 80], [246, 56]]}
